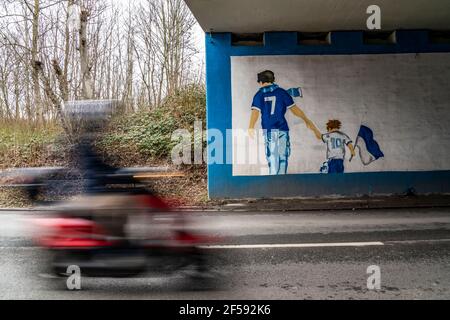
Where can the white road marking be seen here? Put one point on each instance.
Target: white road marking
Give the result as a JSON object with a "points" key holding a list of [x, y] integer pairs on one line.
{"points": [[426, 241], [295, 245], [292, 245]]}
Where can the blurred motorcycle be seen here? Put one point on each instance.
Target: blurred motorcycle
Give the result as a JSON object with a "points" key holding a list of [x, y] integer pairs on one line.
{"points": [[116, 227], [125, 232]]}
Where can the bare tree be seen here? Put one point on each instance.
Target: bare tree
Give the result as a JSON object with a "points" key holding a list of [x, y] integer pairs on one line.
{"points": [[35, 11], [138, 53], [165, 46], [86, 78]]}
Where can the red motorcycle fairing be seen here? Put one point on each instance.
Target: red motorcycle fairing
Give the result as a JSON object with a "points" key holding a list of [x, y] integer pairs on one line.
{"points": [[71, 233], [195, 239], [153, 202]]}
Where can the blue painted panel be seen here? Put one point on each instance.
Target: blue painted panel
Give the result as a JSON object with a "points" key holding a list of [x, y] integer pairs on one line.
{"points": [[313, 185], [222, 184]]}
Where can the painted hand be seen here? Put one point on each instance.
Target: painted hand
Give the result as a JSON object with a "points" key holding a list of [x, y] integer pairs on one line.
{"points": [[251, 133], [318, 135]]}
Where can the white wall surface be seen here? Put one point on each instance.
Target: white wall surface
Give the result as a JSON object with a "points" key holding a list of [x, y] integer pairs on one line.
{"points": [[403, 98]]}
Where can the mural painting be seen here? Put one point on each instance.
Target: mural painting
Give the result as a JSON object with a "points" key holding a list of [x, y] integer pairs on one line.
{"points": [[271, 103], [338, 114]]}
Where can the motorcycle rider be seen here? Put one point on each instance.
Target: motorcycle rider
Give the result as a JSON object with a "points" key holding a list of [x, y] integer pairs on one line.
{"points": [[107, 206]]}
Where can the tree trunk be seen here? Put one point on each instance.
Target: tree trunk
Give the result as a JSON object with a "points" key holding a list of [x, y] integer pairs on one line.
{"points": [[86, 78], [65, 75], [34, 57]]}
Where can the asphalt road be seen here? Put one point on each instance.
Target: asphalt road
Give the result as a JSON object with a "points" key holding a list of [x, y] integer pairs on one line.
{"points": [[307, 255]]}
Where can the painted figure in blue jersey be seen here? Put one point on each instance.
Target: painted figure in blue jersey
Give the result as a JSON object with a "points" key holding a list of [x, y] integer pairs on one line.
{"points": [[272, 103]]}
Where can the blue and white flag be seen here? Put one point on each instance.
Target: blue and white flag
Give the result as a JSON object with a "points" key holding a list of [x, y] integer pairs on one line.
{"points": [[369, 150], [295, 92]]}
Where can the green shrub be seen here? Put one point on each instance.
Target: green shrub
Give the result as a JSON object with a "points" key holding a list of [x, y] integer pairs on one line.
{"points": [[187, 105], [151, 131], [130, 138]]}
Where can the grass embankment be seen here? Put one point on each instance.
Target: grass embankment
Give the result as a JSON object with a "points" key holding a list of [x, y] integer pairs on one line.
{"points": [[25, 145], [138, 139]]}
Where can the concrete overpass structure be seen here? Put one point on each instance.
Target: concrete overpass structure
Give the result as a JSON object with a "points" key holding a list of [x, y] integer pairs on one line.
{"points": [[393, 81], [248, 16]]}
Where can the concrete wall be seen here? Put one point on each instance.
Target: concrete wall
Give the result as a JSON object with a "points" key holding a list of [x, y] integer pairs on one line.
{"points": [[401, 95]]}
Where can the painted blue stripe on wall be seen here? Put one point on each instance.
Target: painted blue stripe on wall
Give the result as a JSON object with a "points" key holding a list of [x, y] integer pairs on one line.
{"points": [[222, 184]]}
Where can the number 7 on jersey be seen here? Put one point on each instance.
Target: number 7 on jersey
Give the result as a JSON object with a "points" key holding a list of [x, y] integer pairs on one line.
{"points": [[273, 100]]}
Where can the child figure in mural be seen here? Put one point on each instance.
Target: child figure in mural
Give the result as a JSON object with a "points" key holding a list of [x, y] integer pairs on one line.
{"points": [[272, 103], [336, 142]]}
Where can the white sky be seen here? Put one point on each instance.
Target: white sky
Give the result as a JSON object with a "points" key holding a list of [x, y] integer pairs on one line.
{"points": [[199, 38]]}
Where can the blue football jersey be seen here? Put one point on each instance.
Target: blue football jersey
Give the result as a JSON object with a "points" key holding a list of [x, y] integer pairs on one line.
{"points": [[273, 102]]}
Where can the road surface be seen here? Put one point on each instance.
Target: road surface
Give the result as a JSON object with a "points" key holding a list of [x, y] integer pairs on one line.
{"points": [[305, 255]]}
